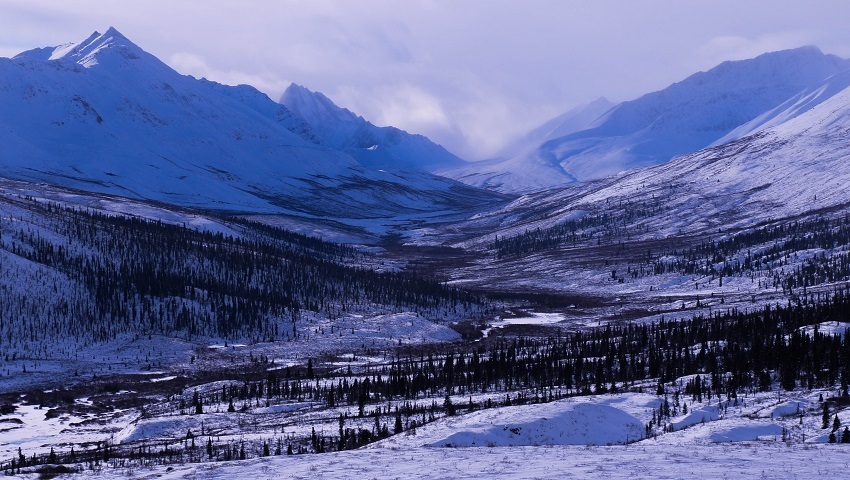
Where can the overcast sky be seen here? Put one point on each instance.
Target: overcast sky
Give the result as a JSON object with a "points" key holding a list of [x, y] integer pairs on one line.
{"points": [[472, 75]]}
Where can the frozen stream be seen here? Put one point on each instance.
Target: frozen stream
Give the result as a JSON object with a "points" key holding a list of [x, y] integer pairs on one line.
{"points": [[533, 318]]}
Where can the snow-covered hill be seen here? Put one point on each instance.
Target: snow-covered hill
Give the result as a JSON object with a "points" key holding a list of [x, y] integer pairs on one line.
{"points": [[372, 146], [103, 115], [735, 98]]}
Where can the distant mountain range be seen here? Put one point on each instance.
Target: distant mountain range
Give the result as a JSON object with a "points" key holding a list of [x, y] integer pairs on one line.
{"points": [[734, 99], [796, 168], [103, 115]]}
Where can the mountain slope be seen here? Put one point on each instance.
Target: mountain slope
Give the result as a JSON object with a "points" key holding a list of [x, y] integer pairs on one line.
{"points": [[375, 147], [684, 117], [103, 115], [795, 106]]}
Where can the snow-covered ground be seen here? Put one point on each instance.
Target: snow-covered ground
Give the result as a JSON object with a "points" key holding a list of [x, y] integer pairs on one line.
{"points": [[750, 461], [582, 437], [771, 434], [597, 420]]}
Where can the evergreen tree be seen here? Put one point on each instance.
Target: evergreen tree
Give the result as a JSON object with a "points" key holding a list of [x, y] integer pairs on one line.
{"points": [[825, 416], [398, 425], [449, 406]]}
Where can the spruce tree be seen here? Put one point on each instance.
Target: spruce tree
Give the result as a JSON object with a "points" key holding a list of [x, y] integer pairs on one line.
{"points": [[398, 425], [449, 406]]}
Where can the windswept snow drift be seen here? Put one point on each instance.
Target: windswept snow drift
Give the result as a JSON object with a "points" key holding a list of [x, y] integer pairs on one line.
{"points": [[603, 420], [584, 424]]}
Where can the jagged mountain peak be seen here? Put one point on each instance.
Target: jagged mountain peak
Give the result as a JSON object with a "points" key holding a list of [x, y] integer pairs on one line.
{"points": [[315, 105], [110, 47], [717, 100], [798, 67], [795, 106], [373, 146]]}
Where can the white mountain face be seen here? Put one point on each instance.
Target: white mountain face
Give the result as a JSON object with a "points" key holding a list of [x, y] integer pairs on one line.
{"points": [[800, 103], [103, 115], [731, 100], [372, 146]]}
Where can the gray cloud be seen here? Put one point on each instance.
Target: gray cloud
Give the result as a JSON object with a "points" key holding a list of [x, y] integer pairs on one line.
{"points": [[471, 75]]}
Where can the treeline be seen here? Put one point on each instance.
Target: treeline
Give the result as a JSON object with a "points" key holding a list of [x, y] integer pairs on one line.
{"points": [[618, 220], [788, 256], [732, 352], [770, 249], [737, 349]]}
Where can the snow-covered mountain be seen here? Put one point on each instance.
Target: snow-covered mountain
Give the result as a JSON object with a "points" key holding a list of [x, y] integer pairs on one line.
{"points": [[103, 115], [800, 103], [796, 168], [708, 108], [372, 146]]}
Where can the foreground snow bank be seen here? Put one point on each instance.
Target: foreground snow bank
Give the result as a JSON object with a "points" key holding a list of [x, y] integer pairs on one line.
{"points": [[760, 460]]}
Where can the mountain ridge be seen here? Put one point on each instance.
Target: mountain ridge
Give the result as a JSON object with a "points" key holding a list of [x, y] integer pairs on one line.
{"points": [[105, 116], [682, 118]]}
